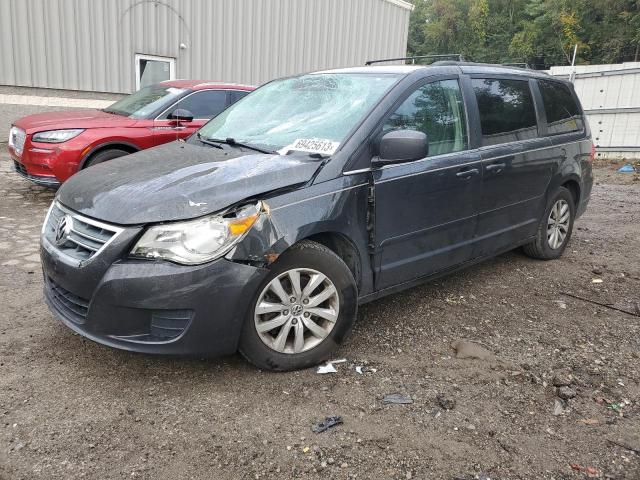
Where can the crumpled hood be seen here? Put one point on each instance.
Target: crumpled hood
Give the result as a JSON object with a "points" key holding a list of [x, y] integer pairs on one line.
{"points": [[178, 181], [76, 118]]}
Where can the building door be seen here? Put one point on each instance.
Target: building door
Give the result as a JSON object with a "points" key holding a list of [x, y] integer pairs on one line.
{"points": [[152, 69]]}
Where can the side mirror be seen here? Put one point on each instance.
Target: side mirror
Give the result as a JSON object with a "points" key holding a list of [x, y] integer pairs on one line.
{"points": [[181, 115], [402, 146]]}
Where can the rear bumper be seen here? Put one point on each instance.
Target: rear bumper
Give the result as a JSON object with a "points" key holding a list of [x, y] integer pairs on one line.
{"points": [[154, 307]]}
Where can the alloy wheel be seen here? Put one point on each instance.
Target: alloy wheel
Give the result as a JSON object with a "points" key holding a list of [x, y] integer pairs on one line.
{"points": [[558, 224], [297, 310]]}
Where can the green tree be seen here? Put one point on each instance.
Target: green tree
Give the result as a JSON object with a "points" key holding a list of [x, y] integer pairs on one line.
{"points": [[540, 32]]}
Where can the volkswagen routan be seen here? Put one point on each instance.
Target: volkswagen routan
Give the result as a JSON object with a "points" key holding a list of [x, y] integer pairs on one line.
{"points": [[316, 193]]}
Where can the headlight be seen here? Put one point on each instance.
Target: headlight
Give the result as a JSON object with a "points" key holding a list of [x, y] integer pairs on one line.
{"points": [[197, 241], [56, 136]]}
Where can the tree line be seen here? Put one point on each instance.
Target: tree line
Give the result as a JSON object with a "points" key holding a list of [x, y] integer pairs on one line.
{"points": [[540, 33]]}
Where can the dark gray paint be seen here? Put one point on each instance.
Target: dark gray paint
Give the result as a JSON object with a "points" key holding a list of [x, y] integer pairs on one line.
{"points": [[179, 181], [404, 223]]}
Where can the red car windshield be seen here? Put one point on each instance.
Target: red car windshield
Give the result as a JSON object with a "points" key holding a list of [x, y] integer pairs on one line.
{"points": [[145, 101]]}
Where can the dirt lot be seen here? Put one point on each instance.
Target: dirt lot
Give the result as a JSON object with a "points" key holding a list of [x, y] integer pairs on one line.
{"points": [[72, 409]]}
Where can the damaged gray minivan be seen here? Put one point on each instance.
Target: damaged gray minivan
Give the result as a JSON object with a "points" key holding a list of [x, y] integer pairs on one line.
{"points": [[264, 231]]}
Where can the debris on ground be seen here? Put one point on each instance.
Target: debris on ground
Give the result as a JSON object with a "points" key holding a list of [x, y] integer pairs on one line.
{"points": [[590, 471], [561, 304], [566, 393], [478, 476], [445, 402], [590, 421], [596, 280], [328, 368], [559, 407], [466, 349], [361, 369], [397, 399], [626, 168], [618, 406], [606, 305], [326, 424], [562, 378], [626, 446]]}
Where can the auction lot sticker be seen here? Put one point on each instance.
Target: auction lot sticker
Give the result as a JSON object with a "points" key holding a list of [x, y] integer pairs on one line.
{"points": [[312, 145]]}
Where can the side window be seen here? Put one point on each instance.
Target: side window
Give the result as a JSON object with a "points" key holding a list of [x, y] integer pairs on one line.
{"points": [[204, 104], [235, 95], [507, 113], [563, 114], [436, 109]]}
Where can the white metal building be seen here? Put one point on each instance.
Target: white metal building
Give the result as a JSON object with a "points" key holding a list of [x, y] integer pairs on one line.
{"points": [[610, 95], [116, 45]]}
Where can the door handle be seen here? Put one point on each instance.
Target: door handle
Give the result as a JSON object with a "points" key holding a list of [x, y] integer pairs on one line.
{"points": [[496, 167], [468, 173]]}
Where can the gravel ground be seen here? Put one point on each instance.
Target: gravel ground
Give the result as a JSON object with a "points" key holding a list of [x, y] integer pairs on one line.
{"points": [[70, 408]]}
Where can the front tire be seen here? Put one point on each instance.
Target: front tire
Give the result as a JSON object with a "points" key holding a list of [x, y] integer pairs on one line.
{"points": [[555, 227], [301, 311], [104, 156]]}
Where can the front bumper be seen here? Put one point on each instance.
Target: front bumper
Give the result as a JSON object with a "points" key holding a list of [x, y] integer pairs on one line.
{"points": [[47, 165], [153, 307], [44, 180]]}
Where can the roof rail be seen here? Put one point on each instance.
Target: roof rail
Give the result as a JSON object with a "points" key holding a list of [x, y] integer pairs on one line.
{"points": [[517, 65], [457, 56]]}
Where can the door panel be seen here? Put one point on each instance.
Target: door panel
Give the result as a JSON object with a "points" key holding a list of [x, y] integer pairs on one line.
{"points": [[425, 216], [425, 211], [513, 190], [516, 163]]}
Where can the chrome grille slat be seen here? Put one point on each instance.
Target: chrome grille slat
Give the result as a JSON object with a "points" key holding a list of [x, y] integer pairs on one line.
{"points": [[88, 237], [85, 237], [83, 245]]}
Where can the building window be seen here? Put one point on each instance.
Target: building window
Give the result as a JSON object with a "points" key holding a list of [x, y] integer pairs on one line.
{"points": [[152, 69]]}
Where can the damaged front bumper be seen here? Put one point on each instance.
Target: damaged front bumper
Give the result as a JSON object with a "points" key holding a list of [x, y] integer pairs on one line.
{"points": [[153, 306]]}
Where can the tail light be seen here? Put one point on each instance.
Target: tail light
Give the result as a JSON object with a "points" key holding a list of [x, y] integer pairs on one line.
{"points": [[592, 155]]}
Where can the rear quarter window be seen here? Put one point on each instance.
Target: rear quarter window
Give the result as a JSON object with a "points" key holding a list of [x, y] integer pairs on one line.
{"points": [[507, 112], [563, 113]]}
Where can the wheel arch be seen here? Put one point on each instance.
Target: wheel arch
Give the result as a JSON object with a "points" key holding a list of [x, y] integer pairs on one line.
{"points": [[115, 144], [570, 181], [574, 187], [342, 246]]}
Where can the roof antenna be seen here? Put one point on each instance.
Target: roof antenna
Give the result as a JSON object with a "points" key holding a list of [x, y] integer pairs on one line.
{"points": [[572, 75]]}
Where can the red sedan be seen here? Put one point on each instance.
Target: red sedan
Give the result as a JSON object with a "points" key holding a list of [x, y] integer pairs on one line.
{"points": [[48, 148]]}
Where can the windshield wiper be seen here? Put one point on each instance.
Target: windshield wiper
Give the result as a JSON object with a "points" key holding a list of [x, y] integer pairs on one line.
{"points": [[115, 112], [208, 141], [234, 143]]}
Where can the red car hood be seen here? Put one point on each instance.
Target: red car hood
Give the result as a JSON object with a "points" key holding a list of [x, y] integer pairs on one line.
{"points": [[76, 118]]}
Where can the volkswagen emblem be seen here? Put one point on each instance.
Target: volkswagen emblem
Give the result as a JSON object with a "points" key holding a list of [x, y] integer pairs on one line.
{"points": [[63, 229]]}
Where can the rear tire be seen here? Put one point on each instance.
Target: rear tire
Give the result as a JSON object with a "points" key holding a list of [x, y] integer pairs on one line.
{"points": [[555, 227], [104, 156], [304, 332]]}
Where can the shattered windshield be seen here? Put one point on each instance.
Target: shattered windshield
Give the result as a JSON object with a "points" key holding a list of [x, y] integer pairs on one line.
{"points": [[308, 111]]}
